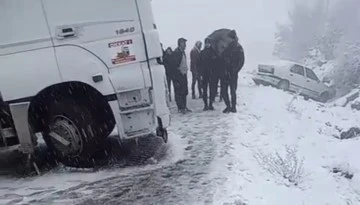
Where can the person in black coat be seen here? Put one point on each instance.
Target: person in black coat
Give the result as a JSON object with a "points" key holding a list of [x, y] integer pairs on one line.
{"points": [[169, 68], [180, 76], [233, 59], [194, 67], [209, 71]]}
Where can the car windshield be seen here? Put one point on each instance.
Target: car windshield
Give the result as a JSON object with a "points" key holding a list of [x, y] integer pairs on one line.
{"points": [[179, 102], [310, 74]]}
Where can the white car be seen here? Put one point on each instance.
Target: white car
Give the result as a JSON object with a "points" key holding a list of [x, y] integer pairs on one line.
{"points": [[294, 77]]}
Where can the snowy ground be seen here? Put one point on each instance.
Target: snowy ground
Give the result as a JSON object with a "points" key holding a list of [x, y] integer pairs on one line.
{"points": [[210, 160]]}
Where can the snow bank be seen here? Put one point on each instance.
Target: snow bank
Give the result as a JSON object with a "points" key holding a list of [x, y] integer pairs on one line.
{"points": [[267, 122]]}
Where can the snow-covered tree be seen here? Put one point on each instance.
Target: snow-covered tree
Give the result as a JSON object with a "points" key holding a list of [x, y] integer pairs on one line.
{"points": [[347, 73], [346, 18], [307, 25], [283, 36], [322, 33]]}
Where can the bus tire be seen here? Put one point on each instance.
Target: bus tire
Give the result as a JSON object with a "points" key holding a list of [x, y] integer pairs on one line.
{"points": [[74, 134]]}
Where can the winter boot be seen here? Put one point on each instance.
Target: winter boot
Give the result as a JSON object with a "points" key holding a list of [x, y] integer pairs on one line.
{"points": [[233, 106], [188, 110], [182, 111], [206, 108], [227, 110], [211, 107]]}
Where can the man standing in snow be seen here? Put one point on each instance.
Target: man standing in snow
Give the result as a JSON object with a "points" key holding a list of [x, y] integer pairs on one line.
{"points": [[180, 76], [233, 59], [194, 66], [208, 66], [169, 68]]}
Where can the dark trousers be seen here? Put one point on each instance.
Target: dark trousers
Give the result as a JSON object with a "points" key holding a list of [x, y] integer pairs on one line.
{"points": [[205, 86], [196, 78], [210, 83], [226, 82], [218, 90], [169, 80], [214, 82], [181, 90]]}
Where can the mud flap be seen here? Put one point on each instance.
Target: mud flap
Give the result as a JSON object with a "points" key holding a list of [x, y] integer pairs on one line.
{"points": [[161, 131], [19, 112]]}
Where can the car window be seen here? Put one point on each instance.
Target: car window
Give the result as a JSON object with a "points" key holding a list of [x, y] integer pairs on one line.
{"points": [[310, 74], [298, 70]]}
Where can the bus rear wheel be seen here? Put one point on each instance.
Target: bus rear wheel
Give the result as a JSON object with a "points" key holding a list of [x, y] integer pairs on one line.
{"points": [[75, 134]]}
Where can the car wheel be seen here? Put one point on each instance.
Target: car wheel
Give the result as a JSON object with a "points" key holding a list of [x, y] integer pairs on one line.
{"points": [[257, 82], [324, 97], [284, 85]]}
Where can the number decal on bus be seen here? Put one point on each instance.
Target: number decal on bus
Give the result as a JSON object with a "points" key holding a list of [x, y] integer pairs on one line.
{"points": [[125, 30]]}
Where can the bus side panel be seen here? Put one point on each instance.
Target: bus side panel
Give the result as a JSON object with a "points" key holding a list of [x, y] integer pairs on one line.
{"points": [[27, 59], [22, 26], [110, 30], [77, 64], [154, 51], [159, 80], [148, 24], [25, 74]]}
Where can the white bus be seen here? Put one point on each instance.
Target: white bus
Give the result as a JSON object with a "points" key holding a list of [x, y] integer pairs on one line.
{"points": [[76, 70]]}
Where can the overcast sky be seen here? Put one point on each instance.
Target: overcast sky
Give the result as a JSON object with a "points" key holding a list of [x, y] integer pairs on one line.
{"points": [[254, 21]]}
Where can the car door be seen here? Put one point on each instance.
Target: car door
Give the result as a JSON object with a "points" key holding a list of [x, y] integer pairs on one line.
{"points": [[297, 79], [313, 83]]}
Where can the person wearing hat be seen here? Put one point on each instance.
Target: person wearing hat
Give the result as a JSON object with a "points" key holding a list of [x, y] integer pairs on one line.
{"points": [[180, 76]]}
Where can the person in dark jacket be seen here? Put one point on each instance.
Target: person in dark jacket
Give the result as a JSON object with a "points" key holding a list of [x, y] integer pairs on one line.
{"points": [[162, 49], [208, 72], [233, 61], [180, 76], [169, 68], [194, 67]]}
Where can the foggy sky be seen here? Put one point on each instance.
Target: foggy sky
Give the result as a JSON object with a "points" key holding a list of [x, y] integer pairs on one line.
{"points": [[254, 21]]}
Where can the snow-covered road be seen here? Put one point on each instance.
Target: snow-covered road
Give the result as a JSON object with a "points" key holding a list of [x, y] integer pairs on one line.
{"points": [[210, 160]]}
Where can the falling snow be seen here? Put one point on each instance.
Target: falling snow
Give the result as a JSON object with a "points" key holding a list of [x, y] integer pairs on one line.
{"points": [[210, 159]]}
